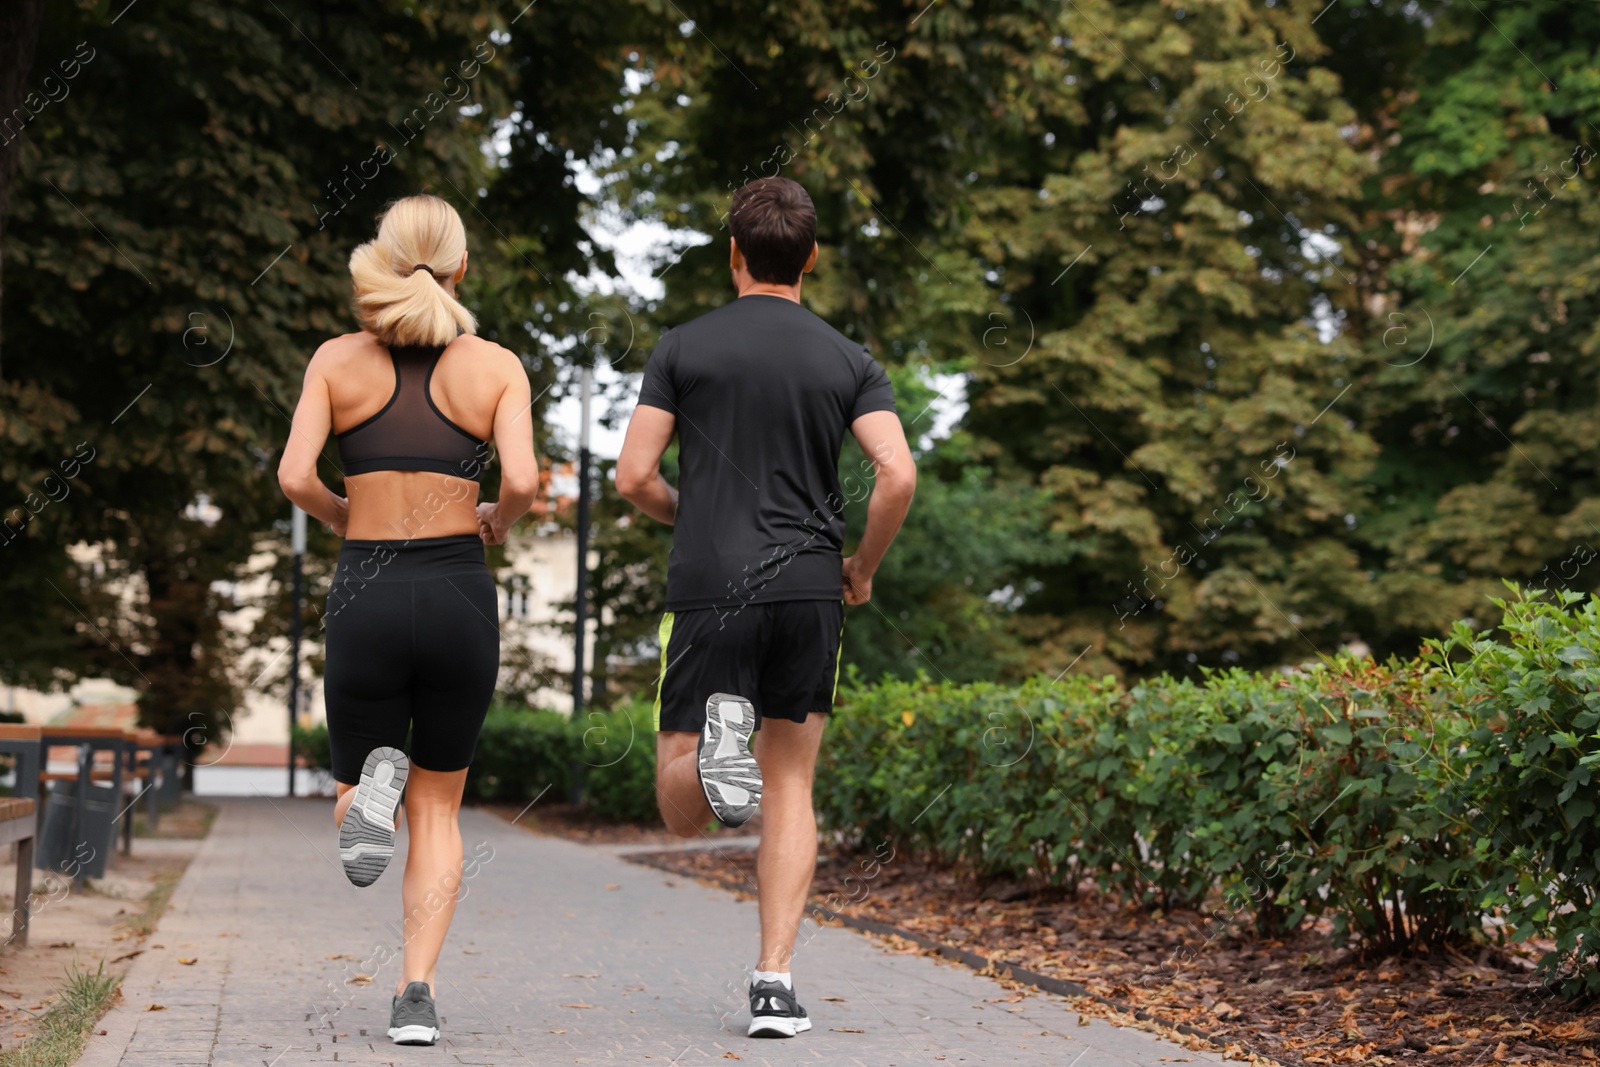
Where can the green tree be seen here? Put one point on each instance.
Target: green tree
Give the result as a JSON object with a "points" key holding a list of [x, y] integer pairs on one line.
{"points": [[175, 255], [1479, 317]]}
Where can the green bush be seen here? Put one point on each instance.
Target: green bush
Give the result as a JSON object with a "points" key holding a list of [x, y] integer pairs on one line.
{"points": [[616, 752], [312, 746], [1528, 767], [1402, 803], [521, 753], [525, 753]]}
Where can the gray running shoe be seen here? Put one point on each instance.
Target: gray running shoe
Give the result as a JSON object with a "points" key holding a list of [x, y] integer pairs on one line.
{"points": [[366, 834], [774, 1012], [413, 1020], [728, 772]]}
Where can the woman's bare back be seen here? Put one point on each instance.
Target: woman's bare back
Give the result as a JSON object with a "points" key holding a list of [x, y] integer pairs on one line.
{"points": [[468, 385]]}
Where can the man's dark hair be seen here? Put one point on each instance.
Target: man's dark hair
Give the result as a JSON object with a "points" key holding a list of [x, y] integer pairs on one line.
{"points": [[775, 224]]}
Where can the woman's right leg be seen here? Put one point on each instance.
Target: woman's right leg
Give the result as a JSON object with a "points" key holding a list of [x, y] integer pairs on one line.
{"points": [[433, 869]]}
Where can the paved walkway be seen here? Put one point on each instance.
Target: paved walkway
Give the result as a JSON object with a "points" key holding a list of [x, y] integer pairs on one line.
{"points": [[561, 954]]}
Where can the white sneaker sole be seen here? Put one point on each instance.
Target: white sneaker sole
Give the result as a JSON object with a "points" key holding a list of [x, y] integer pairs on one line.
{"points": [[777, 1026], [414, 1035], [366, 834], [729, 775]]}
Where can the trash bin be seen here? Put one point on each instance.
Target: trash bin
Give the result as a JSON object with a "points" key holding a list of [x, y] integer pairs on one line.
{"points": [[77, 843], [173, 757]]}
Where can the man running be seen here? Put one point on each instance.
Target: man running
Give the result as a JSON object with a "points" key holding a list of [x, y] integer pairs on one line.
{"points": [[760, 393]]}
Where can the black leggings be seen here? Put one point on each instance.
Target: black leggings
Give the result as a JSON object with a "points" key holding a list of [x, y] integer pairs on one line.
{"points": [[413, 642]]}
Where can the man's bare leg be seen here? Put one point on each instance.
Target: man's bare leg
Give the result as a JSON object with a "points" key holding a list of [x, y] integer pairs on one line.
{"points": [[787, 754], [678, 792]]}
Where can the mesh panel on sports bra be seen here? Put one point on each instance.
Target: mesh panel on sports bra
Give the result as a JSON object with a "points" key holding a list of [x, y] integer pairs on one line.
{"points": [[410, 433]]}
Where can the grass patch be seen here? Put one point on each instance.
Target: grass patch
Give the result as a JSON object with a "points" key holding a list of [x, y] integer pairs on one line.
{"points": [[64, 1030], [155, 904]]}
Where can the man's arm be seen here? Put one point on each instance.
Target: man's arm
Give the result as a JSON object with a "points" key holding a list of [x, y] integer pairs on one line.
{"points": [[639, 477], [894, 482]]}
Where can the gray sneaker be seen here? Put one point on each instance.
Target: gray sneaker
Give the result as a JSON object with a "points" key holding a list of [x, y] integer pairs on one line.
{"points": [[366, 834], [774, 1012], [413, 1020], [728, 772]]}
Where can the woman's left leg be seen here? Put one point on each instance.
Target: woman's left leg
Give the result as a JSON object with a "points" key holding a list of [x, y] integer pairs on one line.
{"points": [[433, 869]]}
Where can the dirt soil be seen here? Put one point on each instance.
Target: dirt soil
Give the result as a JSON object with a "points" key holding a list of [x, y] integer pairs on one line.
{"points": [[1296, 1000], [575, 824], [106, 922]]}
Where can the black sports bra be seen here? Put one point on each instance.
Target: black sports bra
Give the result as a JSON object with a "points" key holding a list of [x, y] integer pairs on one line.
{"points": [[410, 433]]}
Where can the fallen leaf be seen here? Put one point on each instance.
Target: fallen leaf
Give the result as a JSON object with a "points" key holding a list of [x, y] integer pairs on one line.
{"points": [[732, 1056], [187, 961], [156, 1007], [613, 885], [335, 956], [575, 975], [555, 1031], [836, 1000], [359, 979], [577, 1005], [1223, 1010], [846, 1030]]}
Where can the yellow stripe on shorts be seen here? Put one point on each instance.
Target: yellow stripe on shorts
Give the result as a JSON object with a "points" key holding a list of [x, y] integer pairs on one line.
{"points": [[664, 633]]}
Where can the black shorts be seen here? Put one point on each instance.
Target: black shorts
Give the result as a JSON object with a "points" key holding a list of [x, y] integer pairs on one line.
{"points": [[782, 657], [413, 643]]}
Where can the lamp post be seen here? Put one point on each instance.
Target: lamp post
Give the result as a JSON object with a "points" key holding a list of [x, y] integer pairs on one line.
{"points": [[581, 604], [298, 543]]}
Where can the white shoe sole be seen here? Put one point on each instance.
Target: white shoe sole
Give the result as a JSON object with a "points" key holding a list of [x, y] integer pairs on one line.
{"points": [[777, 1026], [414, 1035], [366, 834], [729, 775]]}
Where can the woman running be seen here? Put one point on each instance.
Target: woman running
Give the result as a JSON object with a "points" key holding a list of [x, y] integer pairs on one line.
{"points": [[412, 630]]}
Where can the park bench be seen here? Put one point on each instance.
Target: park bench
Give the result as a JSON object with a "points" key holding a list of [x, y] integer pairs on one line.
{"points": [[19, 822]]}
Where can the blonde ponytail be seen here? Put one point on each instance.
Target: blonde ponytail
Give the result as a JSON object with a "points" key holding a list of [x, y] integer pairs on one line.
{"points": [[397, 302]]}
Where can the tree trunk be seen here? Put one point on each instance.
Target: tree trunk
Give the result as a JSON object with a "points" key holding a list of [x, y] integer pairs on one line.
{"points": [[19, 36]]}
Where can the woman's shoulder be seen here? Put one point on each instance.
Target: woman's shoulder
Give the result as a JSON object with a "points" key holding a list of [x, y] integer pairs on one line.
{"points": [[346, 348], [484, 352]]}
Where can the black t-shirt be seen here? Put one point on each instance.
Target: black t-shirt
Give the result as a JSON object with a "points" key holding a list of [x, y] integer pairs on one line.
{"points": [[763, 392]]}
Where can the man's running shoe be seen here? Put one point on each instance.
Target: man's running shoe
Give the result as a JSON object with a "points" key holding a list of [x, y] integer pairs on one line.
{"points": [[728, 772], [413, 1019], [366, 834], [774, 1012]]}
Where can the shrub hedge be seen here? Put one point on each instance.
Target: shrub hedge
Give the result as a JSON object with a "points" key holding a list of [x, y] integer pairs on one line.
{"points": [[524, 753], [1403, 803]]}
